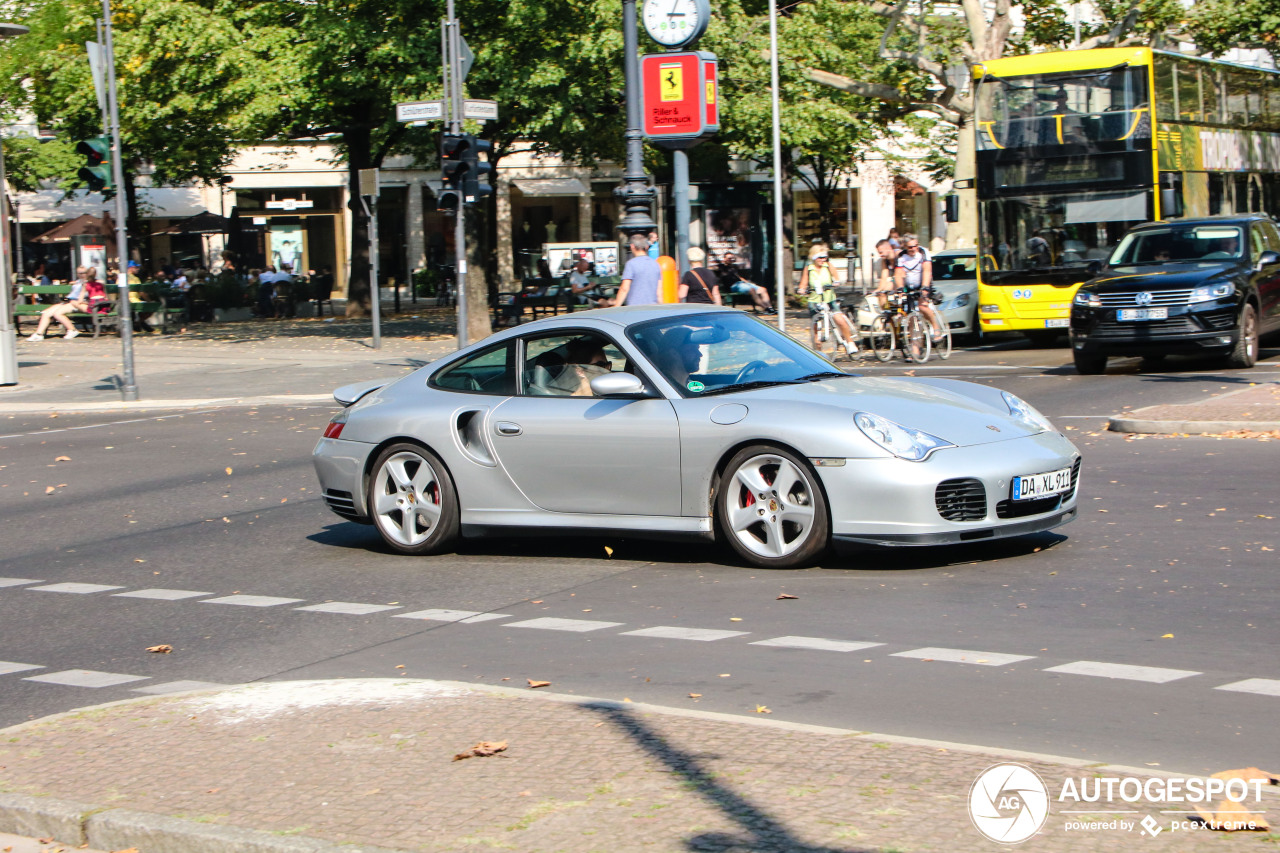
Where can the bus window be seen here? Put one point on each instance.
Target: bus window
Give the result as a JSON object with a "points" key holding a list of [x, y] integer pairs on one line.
{"points": [[1166, 90], [1237, 99], [1188, 91], [1210, 91], [1273, 105]]}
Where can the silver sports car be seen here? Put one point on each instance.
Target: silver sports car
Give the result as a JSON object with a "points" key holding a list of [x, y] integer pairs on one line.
{"points": [[683, 420]]}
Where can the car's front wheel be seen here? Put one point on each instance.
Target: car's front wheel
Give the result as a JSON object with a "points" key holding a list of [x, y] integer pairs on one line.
{"points": [[1245, 353], [1089, 364], [412, 500], [771, 510]]}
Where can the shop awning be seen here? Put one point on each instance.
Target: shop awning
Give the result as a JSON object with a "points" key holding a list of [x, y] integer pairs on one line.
{"points": [[202, 223], [551, 186]]}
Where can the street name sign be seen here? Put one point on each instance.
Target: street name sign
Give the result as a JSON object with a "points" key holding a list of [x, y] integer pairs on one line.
{"points": [[412, 111], [480, 110]]}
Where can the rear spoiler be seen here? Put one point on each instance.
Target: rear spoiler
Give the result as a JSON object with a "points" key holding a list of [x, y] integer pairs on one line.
{"points": [[349, 394]]}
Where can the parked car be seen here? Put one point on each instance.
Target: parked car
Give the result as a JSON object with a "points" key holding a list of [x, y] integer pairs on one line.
{"points": [[955, 278], [1208, 285], [687, 421]]}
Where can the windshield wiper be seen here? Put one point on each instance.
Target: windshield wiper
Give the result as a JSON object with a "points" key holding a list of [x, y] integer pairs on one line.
{"points": [[826, 374], [747, 386]]}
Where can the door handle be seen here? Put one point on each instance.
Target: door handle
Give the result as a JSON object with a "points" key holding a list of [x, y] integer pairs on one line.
{"points": [[508, 428]]}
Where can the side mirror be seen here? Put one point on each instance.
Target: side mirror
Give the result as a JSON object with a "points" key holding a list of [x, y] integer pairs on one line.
{"points": [[623, 385], [1094, 267], [1268, 258]]}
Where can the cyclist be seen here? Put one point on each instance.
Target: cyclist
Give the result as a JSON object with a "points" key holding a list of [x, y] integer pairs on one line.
{"points": [[819, 284], [915, 273], [888, 265]]}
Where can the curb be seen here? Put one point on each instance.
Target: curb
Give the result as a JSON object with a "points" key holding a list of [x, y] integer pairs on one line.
{"points": [[1168, 427]]}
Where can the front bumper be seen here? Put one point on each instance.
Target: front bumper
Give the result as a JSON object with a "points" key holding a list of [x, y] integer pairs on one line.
{"points": [[1205, 327], [896, 502]]}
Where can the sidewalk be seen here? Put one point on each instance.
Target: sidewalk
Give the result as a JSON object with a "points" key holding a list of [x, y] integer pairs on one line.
{"points": [[308, 766], [1254, 409]]}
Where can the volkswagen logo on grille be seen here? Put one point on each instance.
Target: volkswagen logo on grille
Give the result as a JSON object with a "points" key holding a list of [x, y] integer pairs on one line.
{"points": [[1143, 298]]}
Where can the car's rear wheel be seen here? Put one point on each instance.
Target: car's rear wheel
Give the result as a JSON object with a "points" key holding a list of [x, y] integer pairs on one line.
{"points": [[882, 337], [771, 510], [1089, 364], [1245, 353], [412, 500]]}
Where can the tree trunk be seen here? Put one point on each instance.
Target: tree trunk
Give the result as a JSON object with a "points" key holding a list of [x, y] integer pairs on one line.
{"points": [[479, 326], [359, 146], [964, 234], [788, 220]]}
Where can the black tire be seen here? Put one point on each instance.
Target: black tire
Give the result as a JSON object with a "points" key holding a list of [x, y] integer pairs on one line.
{"points": [[1245, 353], [1089, 364], [402, 474], [882, 337], [752, 504]]}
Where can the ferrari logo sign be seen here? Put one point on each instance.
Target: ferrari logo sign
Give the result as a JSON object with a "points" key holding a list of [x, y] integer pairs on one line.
{"points": [[671, 81], [679, 92]]}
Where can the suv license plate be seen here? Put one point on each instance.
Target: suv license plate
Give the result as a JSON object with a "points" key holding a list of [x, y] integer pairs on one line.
{"points": [[1032, 486], [1142, 314], [1057, 323]]}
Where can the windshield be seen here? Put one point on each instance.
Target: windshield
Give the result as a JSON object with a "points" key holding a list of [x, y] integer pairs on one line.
{"points": [[1056, 231], [707, 353], [1081, 108], [1180, 244], [954, 267]]}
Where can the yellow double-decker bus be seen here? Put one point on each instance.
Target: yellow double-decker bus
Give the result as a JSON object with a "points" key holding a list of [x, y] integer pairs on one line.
{"points": [[1075, 147]]}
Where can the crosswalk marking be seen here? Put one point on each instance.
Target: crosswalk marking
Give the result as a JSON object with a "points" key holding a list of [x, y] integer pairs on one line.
{"points": [[162, 594], [86, 678], [349, 607], [963, 656], [18, 581], [438, 615], [252, 600], [176, 687], [1261, 686], [670, 632], [816, 644], [75, 588], [548, 623], [1128, 672], [7, 667]]}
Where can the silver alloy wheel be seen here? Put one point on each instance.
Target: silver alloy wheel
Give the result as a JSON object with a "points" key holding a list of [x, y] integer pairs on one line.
{"points": [[770, 507], [406, 498], [1250, 332]]}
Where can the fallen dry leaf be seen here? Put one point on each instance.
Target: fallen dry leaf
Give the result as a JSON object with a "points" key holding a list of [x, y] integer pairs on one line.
{"points": [[136, 560], [228, 472], [786, 595], [608, 551], [62, 459], [483, 749], [48, 490], [735, 618], [162, 649], [695, 695], [535, 684], [399, 666], [1166, 636], [761, 709], [1228, 815]]}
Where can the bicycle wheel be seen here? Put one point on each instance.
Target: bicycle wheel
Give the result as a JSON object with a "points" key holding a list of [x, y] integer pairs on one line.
{"points": [[915, 338], [882, 337], [943, 347]]}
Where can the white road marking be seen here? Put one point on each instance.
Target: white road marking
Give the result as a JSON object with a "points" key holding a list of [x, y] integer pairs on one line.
{"points": [[963, 656], [548, 623], [1261, 686], [1153, 674], [86, 678], [18, 581], [669, 632], [252, 600], [815, 643], [7, 667], [349, 607], [99, 426], [438, 615], [76, 588], [176, 687], [162, 594]]}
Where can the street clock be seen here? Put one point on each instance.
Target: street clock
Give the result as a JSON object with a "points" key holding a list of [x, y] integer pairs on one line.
{"points": [[675, 23]]}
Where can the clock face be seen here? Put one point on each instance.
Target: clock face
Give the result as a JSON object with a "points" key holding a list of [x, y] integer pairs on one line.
{"points": [[674, 22]]}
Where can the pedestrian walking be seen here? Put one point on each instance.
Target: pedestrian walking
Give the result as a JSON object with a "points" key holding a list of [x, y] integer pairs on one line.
{"points": [[699, 284], [641, 276]]}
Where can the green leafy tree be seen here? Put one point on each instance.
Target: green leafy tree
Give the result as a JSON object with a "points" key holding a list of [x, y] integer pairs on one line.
{"points": [[1217, 25]]}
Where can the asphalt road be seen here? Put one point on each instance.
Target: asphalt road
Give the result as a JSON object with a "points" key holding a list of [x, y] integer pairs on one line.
{"points": [[1175, 537]]}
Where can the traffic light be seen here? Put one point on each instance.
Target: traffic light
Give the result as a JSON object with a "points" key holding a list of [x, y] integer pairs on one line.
{"points": [[452, 171], [476, 178], [96, 171]]}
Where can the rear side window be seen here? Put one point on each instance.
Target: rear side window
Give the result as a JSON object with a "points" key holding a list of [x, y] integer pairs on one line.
{"points": [[490, 371]]}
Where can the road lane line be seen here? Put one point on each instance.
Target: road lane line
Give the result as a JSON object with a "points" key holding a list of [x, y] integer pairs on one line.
{"points": [[86, 678], [252, 600], [549, 623], [815, 643], [1152, 674], [7, 667], [176, 687], [100, 426], [161, 594], [348, 607], [74, 588], [18, 581], [670, 632], [1261, 686], [437, 615], [963, 656]]}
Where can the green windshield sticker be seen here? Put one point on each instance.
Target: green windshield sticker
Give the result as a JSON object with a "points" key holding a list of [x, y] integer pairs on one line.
{"points": [[695, 386]]}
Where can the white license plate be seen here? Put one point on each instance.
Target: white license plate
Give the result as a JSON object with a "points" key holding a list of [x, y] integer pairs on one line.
{"points": [[1057, 323], [1034, 486], [1142, 314]]}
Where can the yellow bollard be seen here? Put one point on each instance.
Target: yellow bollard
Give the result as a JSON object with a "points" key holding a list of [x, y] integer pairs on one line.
{"points": [[670, 280]]}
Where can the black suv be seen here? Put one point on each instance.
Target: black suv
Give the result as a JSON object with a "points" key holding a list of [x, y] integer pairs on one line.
{"points": [[1182, 286]]}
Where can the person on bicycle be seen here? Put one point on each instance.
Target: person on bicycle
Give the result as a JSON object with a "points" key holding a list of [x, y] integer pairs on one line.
{"points": [[915, 273], [819, 284], [888, 265]]}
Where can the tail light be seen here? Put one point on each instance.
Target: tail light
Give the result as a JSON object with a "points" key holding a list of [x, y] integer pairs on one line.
{"points": [[334, 429]]}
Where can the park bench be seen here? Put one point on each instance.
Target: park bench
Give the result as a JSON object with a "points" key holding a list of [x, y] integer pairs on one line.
{"points": [[27, 311]]}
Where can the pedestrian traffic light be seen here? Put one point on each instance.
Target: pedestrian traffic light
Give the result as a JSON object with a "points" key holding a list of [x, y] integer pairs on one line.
{"points": [[452, 172], [476, 179], [96, 171]]}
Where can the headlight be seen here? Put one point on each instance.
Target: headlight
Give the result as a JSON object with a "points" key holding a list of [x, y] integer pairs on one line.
{"points": [[1210, 292], [905, 443], [1025, 413], [1084, 297], [989, 309], [962, 300]]}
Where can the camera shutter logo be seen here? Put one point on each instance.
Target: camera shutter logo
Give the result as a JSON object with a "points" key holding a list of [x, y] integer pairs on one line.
{"points": [[1008, 803]]}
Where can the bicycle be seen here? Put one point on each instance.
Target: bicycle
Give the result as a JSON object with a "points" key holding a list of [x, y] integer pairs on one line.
{"points": [[826, 337], [903, 322]]}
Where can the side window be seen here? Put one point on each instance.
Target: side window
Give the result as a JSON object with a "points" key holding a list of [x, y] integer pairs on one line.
{"points": [[1272, 236], [1258, 243], [563, 365], [492, 371]]}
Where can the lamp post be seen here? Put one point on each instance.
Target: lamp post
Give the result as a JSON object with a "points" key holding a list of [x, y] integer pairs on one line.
{"points": [[635, 193], [8, 341], [778, 236]]}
